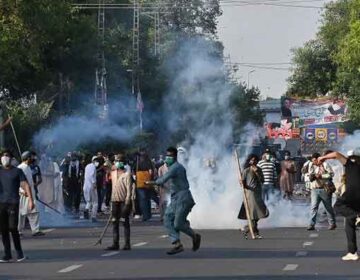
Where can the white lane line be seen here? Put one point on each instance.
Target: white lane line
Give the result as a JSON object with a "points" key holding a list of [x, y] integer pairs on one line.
{"points": [[140, 244], [314, 235], [290, 267], [308, 243], [70, 268], [301, 254], [48, 230], [110, 254], [164, 236]]}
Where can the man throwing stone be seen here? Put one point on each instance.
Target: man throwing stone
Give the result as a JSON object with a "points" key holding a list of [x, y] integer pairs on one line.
{"points": [[181, 203]]}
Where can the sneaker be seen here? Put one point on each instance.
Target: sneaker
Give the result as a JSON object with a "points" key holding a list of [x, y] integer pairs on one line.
{"points": [[113, 247], [196, 242], [309, 228], [357, 222], [39, 233], [176, 249], [350, 257], [21, 259], [5, 259], [332, 227], [258, 236], [137, 217]]}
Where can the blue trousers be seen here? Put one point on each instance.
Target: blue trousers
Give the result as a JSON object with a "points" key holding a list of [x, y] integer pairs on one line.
{"points": [[175, 219], [317, 196], [144, 196]]}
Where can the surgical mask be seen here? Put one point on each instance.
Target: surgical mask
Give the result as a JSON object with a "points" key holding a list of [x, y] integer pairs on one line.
{"points": [[267, 157], [120, 165], [5, 161], [97, 163], [169, 160], [287, 157]]}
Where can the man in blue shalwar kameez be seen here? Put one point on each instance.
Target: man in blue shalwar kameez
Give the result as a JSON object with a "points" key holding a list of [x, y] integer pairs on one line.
{"points": [[181, 203]]}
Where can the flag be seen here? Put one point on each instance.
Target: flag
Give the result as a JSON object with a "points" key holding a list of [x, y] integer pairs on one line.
{"points": [[139, 102]]}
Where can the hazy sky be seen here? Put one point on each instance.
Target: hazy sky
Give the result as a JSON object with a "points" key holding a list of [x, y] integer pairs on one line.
{"points": [[266, 34]]}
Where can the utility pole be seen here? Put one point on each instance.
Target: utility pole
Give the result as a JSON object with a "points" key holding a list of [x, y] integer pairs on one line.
{"points": [[100, 72]]}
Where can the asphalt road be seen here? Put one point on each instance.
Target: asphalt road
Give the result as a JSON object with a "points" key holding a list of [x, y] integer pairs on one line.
{"points": [[284, 253]]}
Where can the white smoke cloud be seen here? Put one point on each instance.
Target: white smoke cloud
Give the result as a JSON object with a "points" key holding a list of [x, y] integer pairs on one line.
{"points": [[216, 191], [70, 132]]}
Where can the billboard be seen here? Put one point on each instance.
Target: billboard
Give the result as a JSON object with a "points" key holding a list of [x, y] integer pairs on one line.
{"points": [[315, 112]]}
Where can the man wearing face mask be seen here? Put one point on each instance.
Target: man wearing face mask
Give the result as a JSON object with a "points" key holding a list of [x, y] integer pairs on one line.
{"points": [[181, 203], [90, 191], [24, 212], [321, 175], [268, 168], [11, 179], [122, 198], [348, 204]]}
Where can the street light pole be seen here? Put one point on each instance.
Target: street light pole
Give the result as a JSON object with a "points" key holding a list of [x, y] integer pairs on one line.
{"points": [[250, 72]]}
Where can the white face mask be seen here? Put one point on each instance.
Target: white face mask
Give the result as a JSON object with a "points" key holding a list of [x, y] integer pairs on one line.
{"points": [[5, 161], [96, 163], [287, 157]]}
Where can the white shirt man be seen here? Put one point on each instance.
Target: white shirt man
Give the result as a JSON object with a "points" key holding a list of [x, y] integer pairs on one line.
{"points": [[90, 192], [24, 211]]}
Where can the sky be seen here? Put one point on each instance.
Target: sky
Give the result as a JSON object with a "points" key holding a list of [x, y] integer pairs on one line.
{"points": [[266, 34]]}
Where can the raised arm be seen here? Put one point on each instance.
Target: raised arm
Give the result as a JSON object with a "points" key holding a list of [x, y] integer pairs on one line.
{"points": [[335, 155]]}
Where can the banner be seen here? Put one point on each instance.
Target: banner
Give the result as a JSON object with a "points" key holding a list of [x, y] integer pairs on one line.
{"points": [[314, 112], [321, 134], [309, 135], [332, 135], [285, 130]]}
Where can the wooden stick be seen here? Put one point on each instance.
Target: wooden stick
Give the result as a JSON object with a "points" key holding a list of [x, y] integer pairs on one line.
{"points": [[246, 204], [15, 137]]}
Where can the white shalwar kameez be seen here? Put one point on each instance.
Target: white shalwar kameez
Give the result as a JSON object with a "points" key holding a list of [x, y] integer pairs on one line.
{"points": [[90, 191], [24, 211]]}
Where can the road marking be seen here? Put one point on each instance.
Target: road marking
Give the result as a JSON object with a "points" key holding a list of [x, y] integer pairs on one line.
{"points": [[110, 254], [48, 230], [164, 236], [308, 243], [301, 254], [140, 244], [314, 235], [70, 268], [290, 267]]}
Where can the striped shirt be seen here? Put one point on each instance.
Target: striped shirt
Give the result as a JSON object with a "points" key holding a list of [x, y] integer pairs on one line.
{"points": [[268, 169]]}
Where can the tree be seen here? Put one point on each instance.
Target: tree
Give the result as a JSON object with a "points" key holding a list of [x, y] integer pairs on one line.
{"points": [[314, 71], [244, 105]]}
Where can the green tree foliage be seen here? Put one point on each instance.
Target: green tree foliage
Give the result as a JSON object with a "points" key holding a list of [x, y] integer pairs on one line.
{"points": [[314, 71], [244, 105], [331, 62], [49, 50]]}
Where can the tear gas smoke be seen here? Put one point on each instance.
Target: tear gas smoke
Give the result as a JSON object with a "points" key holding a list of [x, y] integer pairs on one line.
{"points": [[71, 132], [199, 102]]}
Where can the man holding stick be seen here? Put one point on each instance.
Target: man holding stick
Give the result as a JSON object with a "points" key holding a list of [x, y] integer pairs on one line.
{"points": [[33, 215], [253, 179], [181, 203]]}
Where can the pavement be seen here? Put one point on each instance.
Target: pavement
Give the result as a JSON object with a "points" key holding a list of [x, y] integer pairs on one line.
{"points": [[283, 253]]}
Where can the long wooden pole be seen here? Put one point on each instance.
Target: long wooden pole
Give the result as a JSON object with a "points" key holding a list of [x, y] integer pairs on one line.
{"points": [[246, 204], [15, 137]]}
